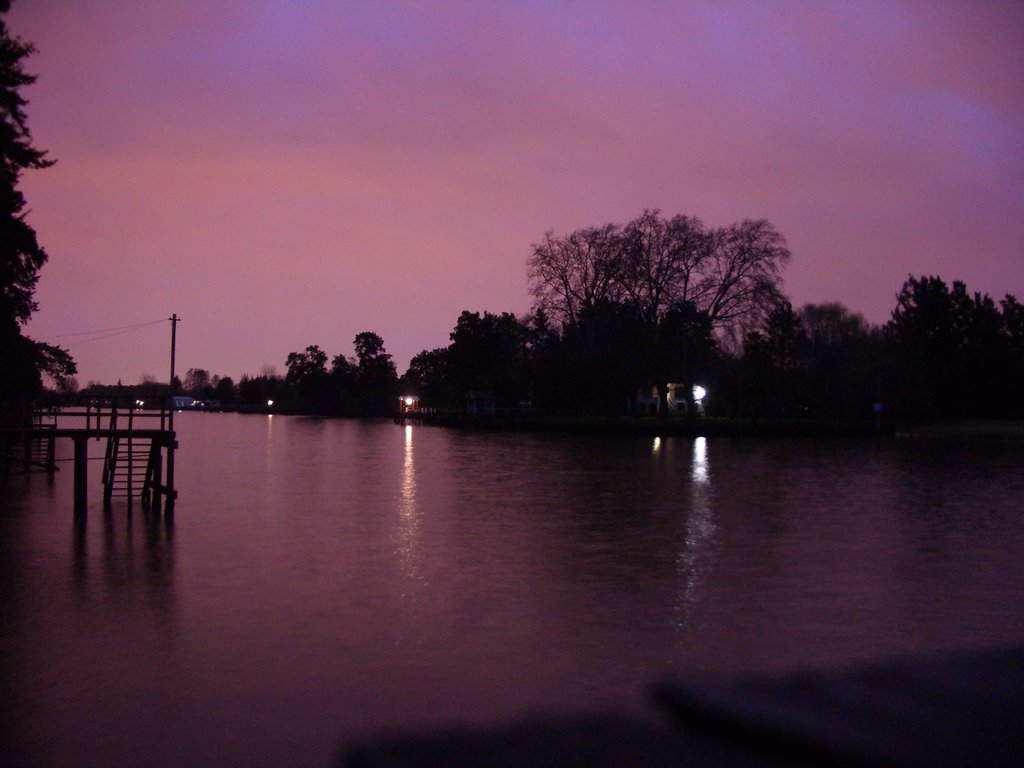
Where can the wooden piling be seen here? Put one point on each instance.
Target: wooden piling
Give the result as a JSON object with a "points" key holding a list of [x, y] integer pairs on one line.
{"points": [[81, 473]]}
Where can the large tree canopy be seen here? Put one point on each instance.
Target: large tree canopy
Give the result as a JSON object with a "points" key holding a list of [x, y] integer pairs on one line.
{"points": [[954, 353], [731, 275], [656, 290], [363, 386]]}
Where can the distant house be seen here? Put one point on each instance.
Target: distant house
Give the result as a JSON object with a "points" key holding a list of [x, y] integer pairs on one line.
{"points": [[647, 401], [480, 403], [677, 399], [408, 404], [182, 401]]}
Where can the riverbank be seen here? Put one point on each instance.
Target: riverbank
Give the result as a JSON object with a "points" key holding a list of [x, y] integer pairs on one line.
{"points": [[651, 426], [654, 426], [967, 428]]}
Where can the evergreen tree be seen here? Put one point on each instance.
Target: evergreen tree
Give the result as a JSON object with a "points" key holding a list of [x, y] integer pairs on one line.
{"points": [[22, 361]]}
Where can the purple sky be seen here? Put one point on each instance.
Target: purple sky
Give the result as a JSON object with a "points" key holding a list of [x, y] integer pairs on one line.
{"points": [[290, 173]]}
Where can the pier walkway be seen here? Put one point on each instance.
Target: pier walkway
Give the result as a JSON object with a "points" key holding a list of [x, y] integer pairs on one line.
{"points": [[138, 458]]}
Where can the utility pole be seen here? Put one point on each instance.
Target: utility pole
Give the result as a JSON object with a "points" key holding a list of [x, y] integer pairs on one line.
{"points": [[171, 493], [170, 388]]}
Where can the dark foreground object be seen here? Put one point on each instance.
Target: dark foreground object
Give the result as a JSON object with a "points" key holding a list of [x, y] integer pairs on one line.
{"points": [[966, 710]]}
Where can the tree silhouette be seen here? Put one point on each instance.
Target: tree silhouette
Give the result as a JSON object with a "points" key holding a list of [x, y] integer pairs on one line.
{"points": [[571, 275], [22, 361], [196, 381], [488, 353], [307, 374], [843, 359], [722, 280], [427, 376], [376, 378], [954, 354]]}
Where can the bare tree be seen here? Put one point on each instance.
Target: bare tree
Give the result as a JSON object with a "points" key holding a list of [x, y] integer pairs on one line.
{"points": [[663, 262], [678, 280], [579, 271], [196, 380], [742, 281], [731, 274]]}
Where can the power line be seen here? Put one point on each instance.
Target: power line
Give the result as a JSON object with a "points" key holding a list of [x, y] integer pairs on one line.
{"points": [[107, 335], [124, 328]]}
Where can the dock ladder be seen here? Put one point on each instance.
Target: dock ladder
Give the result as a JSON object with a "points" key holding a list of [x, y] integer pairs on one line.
{"points": [[39, 449], [131, 463]]}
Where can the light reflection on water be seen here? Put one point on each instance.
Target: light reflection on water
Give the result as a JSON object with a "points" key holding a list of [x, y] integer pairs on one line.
{"points": [[322, 578], [409, 527], [694, 556], [699, 472]]}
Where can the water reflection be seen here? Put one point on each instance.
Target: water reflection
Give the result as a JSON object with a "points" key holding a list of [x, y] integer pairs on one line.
{"points": [[409, 519], [268, 450], [695, 560], [417, 562], [699, 467], [134, 555]]}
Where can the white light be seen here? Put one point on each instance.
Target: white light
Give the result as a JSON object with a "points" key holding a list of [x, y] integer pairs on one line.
{"points": [[409, 401], [698, 393], [269, 403]]}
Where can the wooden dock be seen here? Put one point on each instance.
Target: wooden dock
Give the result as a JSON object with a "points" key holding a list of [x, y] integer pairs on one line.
{"points": [[139, 445]]}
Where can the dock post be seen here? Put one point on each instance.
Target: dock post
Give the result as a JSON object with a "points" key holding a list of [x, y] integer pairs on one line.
{"points": [[171, 494], [81, 474], [157, 478]]}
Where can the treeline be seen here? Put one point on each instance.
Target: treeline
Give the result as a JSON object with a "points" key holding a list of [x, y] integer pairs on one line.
{"points": [[950, 352], [943, 354], [363, 385], [623, 311], [821, 362]]}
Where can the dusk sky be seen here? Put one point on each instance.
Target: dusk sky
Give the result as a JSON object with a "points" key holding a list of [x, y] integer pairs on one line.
{"points": [[282, 174]]}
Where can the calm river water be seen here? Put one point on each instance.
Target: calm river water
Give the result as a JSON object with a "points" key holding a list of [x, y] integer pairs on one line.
{"points": [[323, 580]]}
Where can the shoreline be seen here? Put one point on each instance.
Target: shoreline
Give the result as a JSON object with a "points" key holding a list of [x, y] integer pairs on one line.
{"points": [[973, 429], [652, 426], [1008, 429], [646, 426]]}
